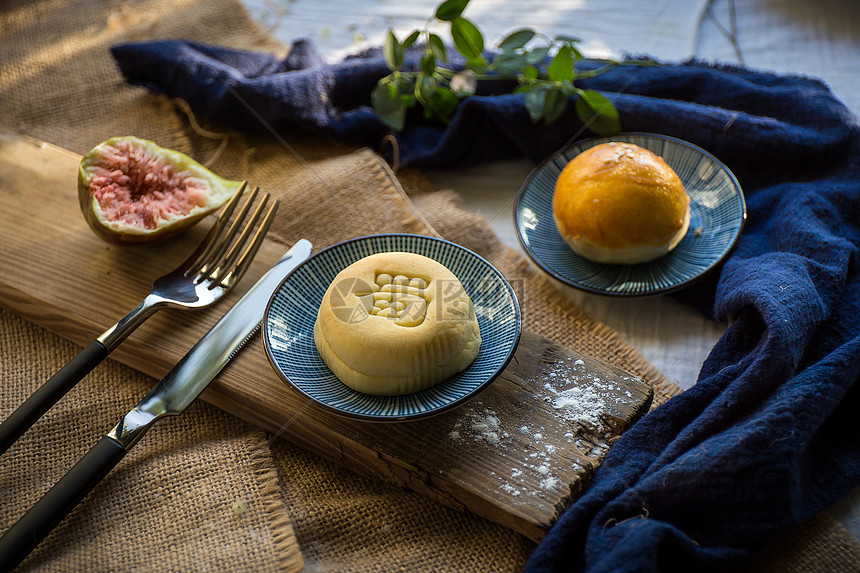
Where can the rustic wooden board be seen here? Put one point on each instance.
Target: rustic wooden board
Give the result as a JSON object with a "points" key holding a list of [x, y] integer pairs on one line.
{"points": [[516, 454]]}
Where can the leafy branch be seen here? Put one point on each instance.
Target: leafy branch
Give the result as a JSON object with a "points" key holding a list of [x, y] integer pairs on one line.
{"points": [[544, 68]]}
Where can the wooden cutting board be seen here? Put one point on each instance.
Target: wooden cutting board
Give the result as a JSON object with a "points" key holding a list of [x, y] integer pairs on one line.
{"points": [[517, 454]]}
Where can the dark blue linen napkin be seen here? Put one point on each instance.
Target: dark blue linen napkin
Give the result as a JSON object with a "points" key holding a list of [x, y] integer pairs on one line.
{"points": [[770, 434]]}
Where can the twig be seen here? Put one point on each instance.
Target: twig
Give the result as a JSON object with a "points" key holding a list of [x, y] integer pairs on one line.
{"points": [[731, 33]]}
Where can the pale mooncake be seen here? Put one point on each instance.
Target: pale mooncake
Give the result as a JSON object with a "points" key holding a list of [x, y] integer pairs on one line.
{"points": [[396, 323]]}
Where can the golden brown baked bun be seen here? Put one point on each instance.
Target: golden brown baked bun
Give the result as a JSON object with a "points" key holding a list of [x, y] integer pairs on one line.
{"points": [[396, 323], [620, 203]]}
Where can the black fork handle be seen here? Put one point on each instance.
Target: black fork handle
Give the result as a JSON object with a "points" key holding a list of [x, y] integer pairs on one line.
{"points": [[50, 393], [17, 543]]}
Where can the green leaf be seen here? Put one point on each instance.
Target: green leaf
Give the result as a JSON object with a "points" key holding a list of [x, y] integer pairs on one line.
{"points": [[564, 39], [442, 103], [477, 65], [534, 103], [537, 55], [428, 64], [509, 62], [467, 38], [411, 38], [561, 66], [426, 89], [530, 72], [597, 112], [405, 83], [388, 105], [450, 9], [554, 104], [523, 88], [393, 51], [517, 39], [437, 47]]}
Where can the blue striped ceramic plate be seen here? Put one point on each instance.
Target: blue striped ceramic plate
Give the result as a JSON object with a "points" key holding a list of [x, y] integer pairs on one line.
{"points": [[717, 216], [290, 316]]}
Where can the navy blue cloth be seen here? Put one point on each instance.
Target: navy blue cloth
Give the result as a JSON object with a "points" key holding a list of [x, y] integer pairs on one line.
{"points": [[770, 434]]}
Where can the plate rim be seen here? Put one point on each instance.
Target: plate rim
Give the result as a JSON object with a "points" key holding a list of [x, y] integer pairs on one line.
{"points": [[408, 417], [614, 294]]}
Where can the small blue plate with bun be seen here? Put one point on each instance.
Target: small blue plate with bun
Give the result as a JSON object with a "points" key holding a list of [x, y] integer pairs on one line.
{"points": [[717, 213]]}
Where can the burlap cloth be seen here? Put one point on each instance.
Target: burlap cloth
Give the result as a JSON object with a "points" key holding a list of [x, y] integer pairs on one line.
{"points": [[207, 491]]}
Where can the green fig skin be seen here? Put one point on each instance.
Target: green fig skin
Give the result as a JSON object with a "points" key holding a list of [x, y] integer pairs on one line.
{"points": [[213, 189]]}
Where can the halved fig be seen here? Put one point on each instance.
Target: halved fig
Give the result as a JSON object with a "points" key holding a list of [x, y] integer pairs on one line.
{"points": [[132, 190]]}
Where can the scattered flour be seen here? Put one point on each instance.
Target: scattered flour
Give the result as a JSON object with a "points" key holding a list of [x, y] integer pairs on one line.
{"points": [[486, 426], [586, 402], [549, 483], [480, 426], [582, 405], [510, 489]]}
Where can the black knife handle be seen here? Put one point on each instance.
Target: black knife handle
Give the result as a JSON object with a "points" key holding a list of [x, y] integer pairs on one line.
{"points": [[50, 393], [58, 502]]}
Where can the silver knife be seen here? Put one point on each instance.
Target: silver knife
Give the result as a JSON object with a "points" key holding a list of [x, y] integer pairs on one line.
{"points": [[170, 396]]}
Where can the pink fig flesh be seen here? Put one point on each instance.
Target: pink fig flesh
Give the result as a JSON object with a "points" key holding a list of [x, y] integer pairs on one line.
{"points": [[132, 190]]}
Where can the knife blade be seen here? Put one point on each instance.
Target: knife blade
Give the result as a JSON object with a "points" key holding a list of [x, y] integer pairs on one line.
{"points": [[170, 396]]}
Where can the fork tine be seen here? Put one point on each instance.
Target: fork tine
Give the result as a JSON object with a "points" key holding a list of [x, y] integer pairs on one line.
{"points": [[227, 260], [244, 262], [202, 253], [226, 238]]}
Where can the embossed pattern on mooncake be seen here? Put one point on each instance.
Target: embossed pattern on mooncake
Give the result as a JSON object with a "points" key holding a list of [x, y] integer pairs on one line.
{"points": [[399, 297]]}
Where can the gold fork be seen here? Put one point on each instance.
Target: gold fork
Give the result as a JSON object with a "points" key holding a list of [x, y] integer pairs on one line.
{"points": [[211, 271]]}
